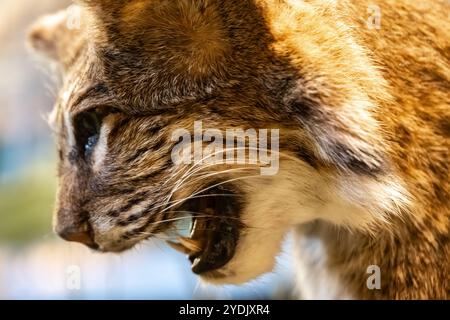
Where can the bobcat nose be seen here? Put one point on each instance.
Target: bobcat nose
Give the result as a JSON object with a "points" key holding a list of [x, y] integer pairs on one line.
{"points": [[81, 234]]}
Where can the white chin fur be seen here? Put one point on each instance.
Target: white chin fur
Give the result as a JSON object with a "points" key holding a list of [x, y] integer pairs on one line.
{"points": [[298, 195], [271, 210], [255, 255]]}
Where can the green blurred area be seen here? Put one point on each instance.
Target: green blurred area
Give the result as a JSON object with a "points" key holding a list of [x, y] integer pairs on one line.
{"points": [[26, 205]]}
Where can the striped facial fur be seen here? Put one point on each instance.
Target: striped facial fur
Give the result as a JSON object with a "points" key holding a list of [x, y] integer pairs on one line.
{"points": [[350, 161]]}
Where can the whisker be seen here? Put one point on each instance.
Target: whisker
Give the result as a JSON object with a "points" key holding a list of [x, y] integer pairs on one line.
{"points": [[213, 186], [200, 215], [186, 175], [205, 158], [195, 197], [187, 198], [220, 172], [212, 173], [194, 170]]}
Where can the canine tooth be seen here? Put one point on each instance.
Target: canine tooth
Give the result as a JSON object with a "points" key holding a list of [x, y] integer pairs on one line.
{"points": [[199, 230], [179, 247], [194, 225], [193, 245], [195, 262]]}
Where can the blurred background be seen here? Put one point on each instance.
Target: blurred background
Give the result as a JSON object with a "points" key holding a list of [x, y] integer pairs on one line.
{"points": [[34, 264]]}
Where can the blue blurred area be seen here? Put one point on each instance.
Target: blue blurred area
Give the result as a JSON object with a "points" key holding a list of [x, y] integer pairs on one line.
{"points": [[44, 271], [14, 157], [34, 264]]}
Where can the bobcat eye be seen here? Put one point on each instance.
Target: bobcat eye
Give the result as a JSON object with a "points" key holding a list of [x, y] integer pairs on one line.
{"points": [[87, 130]]}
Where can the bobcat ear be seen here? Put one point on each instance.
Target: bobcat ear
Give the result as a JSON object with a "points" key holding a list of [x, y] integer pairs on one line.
{"points": [[105, 4], [53, 35], [105, 11], [45, 33]]}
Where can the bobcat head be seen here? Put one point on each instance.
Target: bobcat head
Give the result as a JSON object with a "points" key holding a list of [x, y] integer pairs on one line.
{"points": [[134, 72]]}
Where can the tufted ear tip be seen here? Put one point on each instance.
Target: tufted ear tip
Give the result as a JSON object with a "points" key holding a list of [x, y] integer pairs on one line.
{"points": [[103, 8], [43, 34], [104, 3]]}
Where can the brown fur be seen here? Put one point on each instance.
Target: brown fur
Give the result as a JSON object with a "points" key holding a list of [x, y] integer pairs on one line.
{"points": [[350, 102]]}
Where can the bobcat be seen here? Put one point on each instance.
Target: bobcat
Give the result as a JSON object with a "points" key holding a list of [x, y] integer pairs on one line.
{"points": [[360, 95]]}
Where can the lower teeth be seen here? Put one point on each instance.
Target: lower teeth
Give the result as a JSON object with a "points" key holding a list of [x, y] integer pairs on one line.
{"points": [[193, 226], [195, 262]]}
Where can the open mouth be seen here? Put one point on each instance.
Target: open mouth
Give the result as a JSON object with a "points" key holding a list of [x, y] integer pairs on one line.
{"points": [[214, 230]]}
